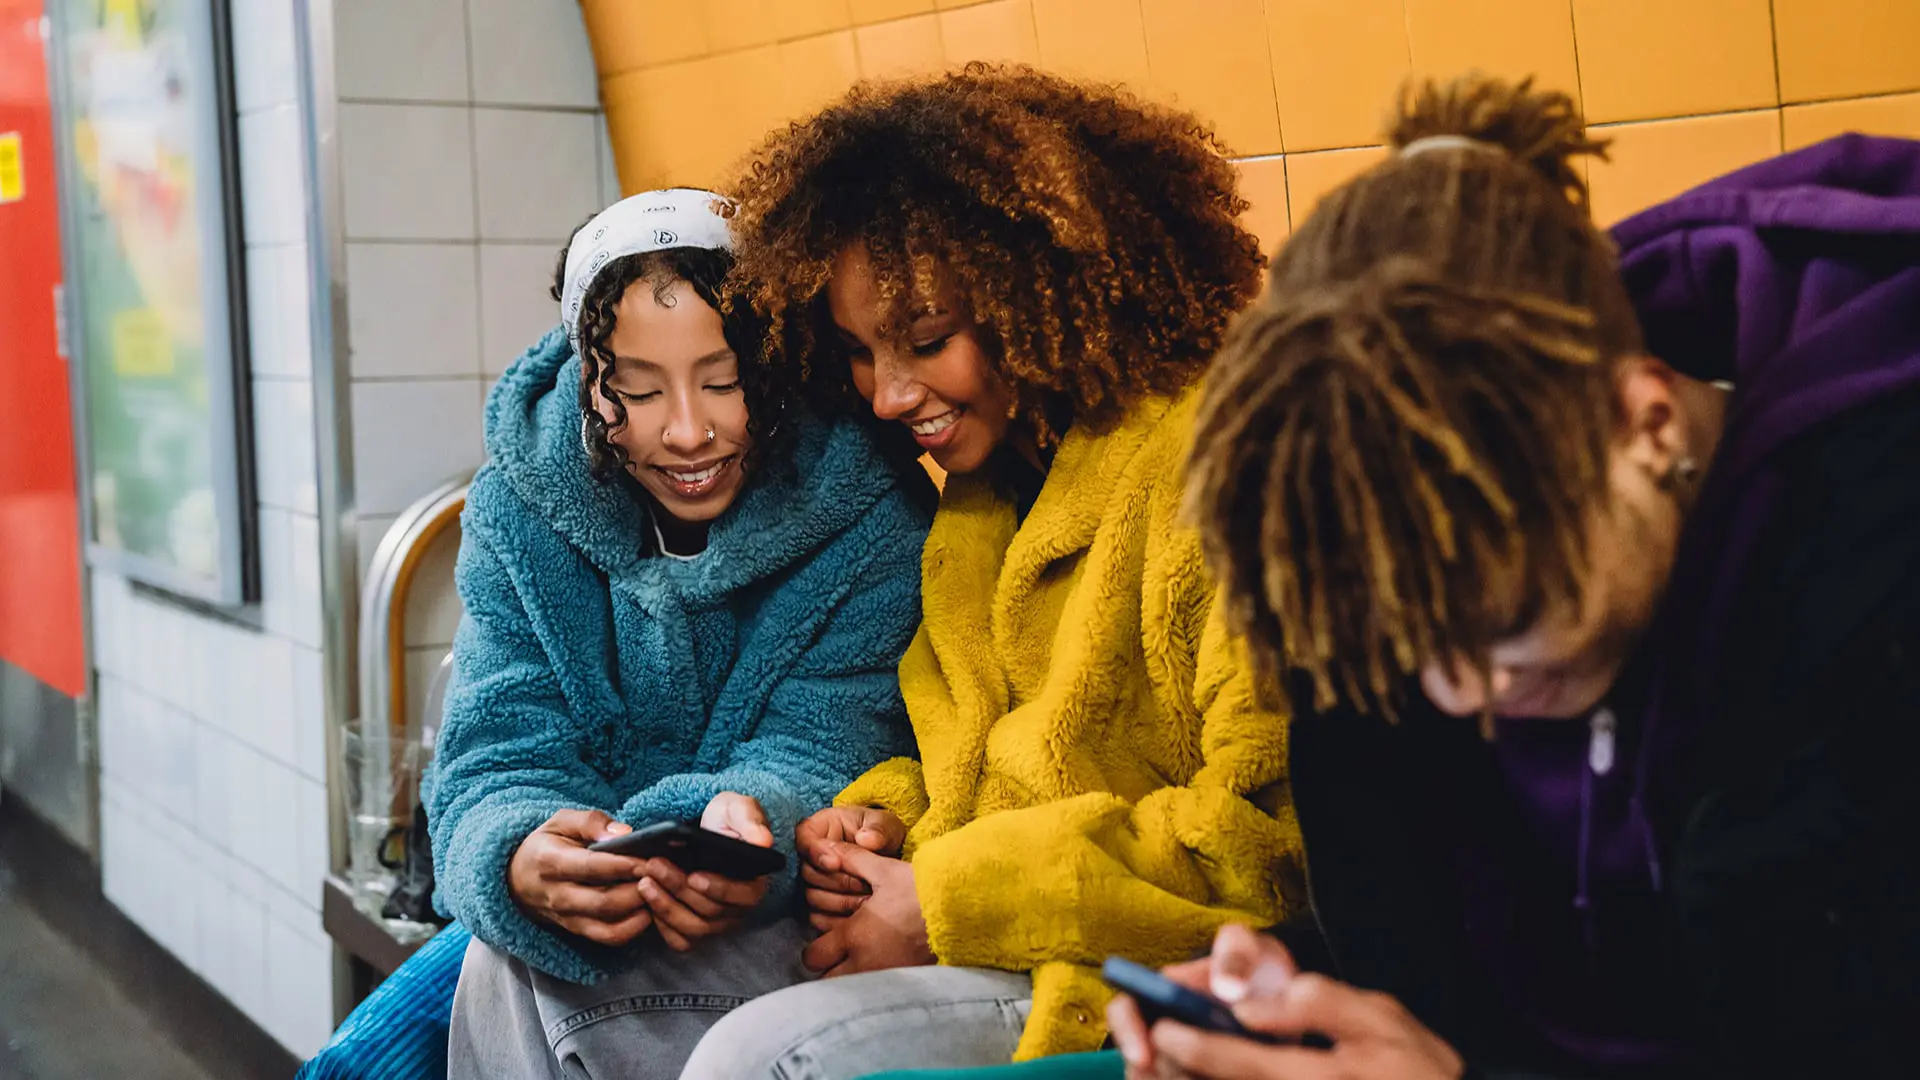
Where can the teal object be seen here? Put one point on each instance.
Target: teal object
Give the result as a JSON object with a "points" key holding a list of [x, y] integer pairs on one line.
{"points": [[1105, 1065]]}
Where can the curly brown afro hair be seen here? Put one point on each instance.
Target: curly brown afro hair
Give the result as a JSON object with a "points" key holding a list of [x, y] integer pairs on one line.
{"points": [[1094, 237]]}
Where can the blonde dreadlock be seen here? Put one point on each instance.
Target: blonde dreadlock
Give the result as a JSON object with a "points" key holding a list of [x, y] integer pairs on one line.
{"points": [[1402, 441]]}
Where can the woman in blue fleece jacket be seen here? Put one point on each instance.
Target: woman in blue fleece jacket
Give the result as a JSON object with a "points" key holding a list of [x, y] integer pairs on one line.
{"points": [[684, 600]]}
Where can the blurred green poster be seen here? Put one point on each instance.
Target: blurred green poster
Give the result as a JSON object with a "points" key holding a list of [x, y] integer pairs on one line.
{"points": [[147, 132]]}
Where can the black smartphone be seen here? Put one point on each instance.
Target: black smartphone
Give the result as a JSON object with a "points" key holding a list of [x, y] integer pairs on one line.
{"points": [[1160, 998], [696, 850]]}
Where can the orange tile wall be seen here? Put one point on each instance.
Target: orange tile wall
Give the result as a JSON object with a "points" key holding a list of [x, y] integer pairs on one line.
{"points": [[1687, 88]]}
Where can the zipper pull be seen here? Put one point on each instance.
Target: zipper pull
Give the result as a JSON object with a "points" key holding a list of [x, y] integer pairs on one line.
{"points": [[1600, 746]]}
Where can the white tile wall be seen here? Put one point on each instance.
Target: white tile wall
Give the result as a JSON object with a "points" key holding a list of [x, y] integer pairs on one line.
{"points": [[237, 692], [279, 853], [273, 176], [250, 961], [409, 437], [213, 790], [528, 52], [309, 717], [213, 735], [417, 310], [609, 176], [310, 834], [252, 939], [290, 576], [279, 311], [401, 50], [274, 733], [300, 958], [283, 445], [407, 172], [516, 306], [213, 903], [537, 173], [264, 69], [246, 800], [515, 159]]}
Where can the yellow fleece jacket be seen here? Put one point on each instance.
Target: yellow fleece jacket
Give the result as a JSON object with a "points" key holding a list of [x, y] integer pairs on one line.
{"points": [[1096, 777]]}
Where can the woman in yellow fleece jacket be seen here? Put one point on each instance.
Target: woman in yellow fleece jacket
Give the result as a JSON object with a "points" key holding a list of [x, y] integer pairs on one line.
{"points": [[1025, 276]]}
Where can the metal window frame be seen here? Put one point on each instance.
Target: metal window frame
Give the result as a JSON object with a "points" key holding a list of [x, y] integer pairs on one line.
{"points": [[235, 590], [319, 106]]}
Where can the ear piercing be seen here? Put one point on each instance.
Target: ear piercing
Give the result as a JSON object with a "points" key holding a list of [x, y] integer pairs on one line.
{"points": [[1682, 474]]}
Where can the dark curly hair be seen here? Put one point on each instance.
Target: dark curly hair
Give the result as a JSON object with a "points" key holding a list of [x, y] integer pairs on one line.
{"points": [[1094, 237], [1401, 444], [706, 270]]}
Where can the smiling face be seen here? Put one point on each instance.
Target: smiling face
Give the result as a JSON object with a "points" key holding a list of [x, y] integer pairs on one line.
{"points": [[685, 434], [933, 375]]}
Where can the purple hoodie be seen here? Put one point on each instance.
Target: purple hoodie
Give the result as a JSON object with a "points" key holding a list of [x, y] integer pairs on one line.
{"points": [[1798, 280]]}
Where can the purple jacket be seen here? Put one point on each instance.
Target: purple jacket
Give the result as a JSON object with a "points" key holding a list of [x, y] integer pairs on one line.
{"points": [[1798, 280]]}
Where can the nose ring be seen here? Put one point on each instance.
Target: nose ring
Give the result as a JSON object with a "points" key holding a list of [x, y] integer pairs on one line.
{"points": [[709, 432], [666, 433]]}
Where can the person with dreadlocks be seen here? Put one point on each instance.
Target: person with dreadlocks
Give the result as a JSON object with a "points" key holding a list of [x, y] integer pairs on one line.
{"points": [[685, 599], [1593, 570], [1022, 277]]}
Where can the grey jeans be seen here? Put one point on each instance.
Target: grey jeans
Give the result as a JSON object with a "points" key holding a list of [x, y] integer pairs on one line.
{"points": [[841, 1029], [640, 1024]]}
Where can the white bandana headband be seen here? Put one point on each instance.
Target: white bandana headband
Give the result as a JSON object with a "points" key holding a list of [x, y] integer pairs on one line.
{"points": [[1445, 142], [649, 221]]}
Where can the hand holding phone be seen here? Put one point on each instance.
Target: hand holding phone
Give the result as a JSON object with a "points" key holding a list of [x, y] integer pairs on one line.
{"points": [[556, 878], [696, 882], [695, 850], [1160, 998]]}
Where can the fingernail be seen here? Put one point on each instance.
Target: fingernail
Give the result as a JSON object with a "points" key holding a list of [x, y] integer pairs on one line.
{"points": [[1231, 989], [701, 882], [1269, 980]]}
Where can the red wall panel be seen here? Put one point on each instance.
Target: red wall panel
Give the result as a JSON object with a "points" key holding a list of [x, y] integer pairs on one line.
{"points": [[40, 616]]}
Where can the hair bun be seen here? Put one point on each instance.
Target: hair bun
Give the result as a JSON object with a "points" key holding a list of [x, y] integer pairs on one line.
{"points": [[1541, 129]]}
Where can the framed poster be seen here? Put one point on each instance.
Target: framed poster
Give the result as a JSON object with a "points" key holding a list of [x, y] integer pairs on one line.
{"points": [[144, 102]]}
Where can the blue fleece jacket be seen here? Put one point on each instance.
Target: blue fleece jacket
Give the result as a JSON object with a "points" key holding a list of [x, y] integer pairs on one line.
{"points": [[590, 676]]}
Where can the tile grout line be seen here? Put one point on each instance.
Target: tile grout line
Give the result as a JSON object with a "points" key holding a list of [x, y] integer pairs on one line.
{"points": [[1779, 94], [1579, 81], [1273, 85], [497, 106], [1685, 116], [473, 169], [131, 687]]}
